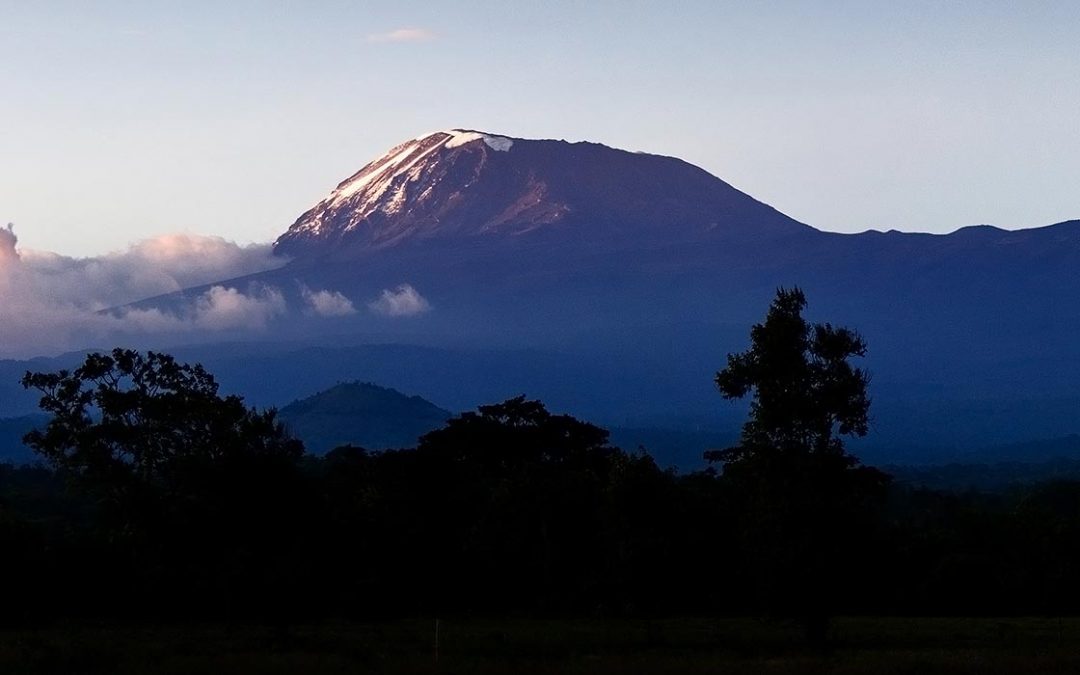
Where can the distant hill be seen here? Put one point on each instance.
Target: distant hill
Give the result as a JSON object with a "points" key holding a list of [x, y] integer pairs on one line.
{"points": [[363, 414], [996, 477], [12, 431]]}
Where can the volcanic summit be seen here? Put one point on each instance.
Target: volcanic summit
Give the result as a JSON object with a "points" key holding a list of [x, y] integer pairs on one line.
{"points": [[461, 183]]}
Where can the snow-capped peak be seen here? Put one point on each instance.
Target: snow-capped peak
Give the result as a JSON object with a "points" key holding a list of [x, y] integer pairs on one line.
{"points": [[459, 137], [384, 184], [401, 159], [463, 182]]}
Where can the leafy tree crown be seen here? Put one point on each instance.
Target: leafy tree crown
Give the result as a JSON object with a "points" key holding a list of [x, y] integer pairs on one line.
{"points": [[127, 418], [806, 394]]}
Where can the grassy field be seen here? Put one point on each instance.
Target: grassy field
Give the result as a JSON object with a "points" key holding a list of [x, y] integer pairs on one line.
{"points": [[525, 647]]}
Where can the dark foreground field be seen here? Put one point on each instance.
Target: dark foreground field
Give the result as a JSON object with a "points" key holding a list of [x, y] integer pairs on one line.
{"points": [[1032, 645]]}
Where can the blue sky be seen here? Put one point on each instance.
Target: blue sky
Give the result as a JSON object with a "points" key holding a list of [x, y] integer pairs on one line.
{"points": [[124, 120]]}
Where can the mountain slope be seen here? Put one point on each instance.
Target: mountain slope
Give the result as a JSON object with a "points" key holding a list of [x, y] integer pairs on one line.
{"points": [[362, 414]]}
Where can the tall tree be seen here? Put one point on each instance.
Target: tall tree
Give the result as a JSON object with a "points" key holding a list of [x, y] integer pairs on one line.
{"points": [[806, 392], [804, 503]]}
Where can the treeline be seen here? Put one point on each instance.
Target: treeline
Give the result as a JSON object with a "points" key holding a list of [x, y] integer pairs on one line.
{"points": [[160, 500], [359, 535]]}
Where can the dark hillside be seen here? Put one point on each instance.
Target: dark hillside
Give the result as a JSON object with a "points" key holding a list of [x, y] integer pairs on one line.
{"points": [[361, 414]]}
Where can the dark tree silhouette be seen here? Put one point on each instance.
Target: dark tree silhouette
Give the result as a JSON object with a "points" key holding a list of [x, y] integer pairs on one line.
{"points": [[193, 490], [126, 419], [509, 508], [517, 493], [191, 506], [805, 504], [806, 393]]}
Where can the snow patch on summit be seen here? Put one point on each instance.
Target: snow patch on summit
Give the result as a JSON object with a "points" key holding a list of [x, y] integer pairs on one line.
{"points": [[497, 143]]}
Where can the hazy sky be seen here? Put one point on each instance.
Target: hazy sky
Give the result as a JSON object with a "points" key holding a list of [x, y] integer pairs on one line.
{"points": [[123, 120]]}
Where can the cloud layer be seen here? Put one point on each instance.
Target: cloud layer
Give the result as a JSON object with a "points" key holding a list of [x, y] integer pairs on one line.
{"points": [[401, 301], [50, 302]]}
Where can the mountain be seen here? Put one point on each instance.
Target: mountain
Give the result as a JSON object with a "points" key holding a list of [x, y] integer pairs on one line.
{"points": [[613, 284], [465, 184], [361, 414]]}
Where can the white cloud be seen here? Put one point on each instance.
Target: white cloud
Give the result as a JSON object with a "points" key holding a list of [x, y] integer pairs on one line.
{"points": [[222, 308], [403, 35], [327, 303], [151, 267], [50, 302], [401, 301]]}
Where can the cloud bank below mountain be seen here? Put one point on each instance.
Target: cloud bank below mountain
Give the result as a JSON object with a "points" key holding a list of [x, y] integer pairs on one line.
{"points": [[50, 302]]}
